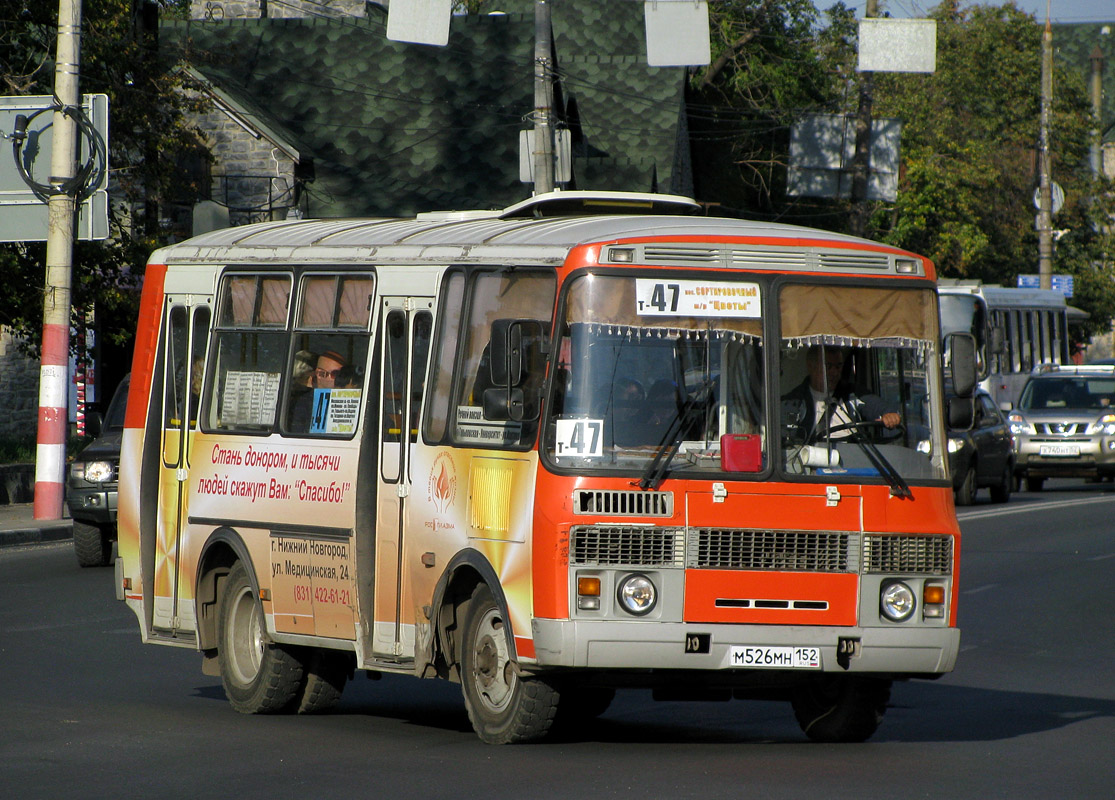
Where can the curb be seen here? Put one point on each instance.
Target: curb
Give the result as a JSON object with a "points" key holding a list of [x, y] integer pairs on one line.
{"points": [[37, 534]]}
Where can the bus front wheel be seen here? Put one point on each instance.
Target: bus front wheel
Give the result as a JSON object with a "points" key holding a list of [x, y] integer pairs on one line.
{"points": [[259, 677], [503, 706], [841, 708]]}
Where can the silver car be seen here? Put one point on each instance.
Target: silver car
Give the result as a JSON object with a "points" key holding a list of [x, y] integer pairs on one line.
{"points": [[1064, 425]]}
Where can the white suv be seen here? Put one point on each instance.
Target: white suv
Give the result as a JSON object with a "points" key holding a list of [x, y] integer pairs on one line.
{"points": [[1064, 425]]}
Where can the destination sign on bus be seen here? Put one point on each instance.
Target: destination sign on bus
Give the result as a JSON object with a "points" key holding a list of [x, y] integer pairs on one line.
{"points": [[686, 298]]}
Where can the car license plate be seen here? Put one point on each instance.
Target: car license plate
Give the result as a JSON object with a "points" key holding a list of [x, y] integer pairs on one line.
{"points": [[776, 657], [1059, 450]]}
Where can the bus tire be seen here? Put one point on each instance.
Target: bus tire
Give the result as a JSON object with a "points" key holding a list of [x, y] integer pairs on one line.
{"points": [[503, 706], [92, 545], [259, 677], [840, 708], [323, 682]]}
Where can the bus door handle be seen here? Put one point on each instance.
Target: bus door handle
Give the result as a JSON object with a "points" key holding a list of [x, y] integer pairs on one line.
{"points": [[402, 490], [181, 474]]}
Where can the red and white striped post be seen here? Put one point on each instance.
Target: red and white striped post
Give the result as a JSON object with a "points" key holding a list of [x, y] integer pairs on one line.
{"points": [[50, 451]]}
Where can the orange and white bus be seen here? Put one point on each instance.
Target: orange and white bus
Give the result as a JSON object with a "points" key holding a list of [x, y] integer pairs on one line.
{"points": [[546, 452]]}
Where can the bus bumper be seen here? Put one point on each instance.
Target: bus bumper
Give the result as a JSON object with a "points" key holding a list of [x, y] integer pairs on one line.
{"points": [[607, 644]]}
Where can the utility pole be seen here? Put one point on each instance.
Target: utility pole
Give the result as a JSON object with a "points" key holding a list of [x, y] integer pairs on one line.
{"points": [[1096, 149], [861, 161], [50, 451], [543, 155], [1045, 189]]}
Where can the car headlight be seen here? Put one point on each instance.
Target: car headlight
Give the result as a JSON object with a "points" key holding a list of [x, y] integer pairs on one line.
{"points": [[897, 601], [93, 471], [1105, 425], [1018, 424], [955, 444], [637, 594]]}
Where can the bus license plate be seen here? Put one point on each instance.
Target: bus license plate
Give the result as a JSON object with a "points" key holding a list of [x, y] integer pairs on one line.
{"points": [[776, 657], [1056, 450]]}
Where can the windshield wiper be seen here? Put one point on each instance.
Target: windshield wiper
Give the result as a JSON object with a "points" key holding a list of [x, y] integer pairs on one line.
{"points": [[898, 486], [671, 441]]}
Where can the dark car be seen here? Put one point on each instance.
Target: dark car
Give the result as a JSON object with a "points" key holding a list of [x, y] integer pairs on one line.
{"points": [[983, 456], [91, 487]]}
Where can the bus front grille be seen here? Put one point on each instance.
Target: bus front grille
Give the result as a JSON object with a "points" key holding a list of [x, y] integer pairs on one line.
{"points": [[908, 554], [794, 551], [623, 503], [626, 545]]}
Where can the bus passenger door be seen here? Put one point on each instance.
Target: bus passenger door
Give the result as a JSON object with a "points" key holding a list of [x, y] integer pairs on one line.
{"points": [[186, 337], [405, 344]]}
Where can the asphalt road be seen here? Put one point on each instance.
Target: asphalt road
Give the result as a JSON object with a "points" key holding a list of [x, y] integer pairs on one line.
{"points": [[87, 711]]}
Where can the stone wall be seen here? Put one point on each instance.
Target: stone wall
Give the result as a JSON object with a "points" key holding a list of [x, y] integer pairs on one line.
{"points": [[19, 390], [275, 9]]}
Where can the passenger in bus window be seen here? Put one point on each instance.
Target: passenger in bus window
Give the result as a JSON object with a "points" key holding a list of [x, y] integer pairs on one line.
{"points": [[329, 366], [347, 378], [301, 391]]}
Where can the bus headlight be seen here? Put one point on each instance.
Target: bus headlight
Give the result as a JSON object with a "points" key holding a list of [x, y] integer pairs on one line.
{"points": [[897, 601], [637, 595]]}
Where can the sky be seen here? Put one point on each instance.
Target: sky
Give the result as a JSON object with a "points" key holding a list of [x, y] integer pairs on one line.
{"points": [[1065, 11]]}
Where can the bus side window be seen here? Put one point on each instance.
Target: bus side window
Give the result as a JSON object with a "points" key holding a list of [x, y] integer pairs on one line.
{"points": [[326, 377], [250, 351], [497, 296]]}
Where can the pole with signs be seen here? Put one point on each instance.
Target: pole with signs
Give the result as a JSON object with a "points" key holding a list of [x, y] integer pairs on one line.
{"points": [[1045, 213], [543, 100], [50, 451]]}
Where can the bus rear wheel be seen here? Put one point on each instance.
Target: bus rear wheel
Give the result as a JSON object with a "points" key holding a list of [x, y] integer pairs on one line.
{"points": [[841, 708], [326, 672], [503, 706], [259, 677]]}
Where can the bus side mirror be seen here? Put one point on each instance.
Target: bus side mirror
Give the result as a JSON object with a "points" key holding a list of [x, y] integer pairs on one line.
{"points": [[961, 413], [515, 345], [962, 347], [516, 357]]}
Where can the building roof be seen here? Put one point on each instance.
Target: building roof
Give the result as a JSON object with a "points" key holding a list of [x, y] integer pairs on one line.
{"points": [[396, 129]]}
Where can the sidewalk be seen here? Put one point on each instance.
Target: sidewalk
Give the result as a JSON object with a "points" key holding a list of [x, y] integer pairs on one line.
{"points": [[18, 526]]}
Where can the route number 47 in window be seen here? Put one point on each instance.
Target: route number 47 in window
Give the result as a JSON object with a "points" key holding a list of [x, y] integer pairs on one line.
{"points": [[580, 438], [663, 297]]}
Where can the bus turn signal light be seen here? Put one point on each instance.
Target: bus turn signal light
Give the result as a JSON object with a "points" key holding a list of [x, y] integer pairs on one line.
{"points": [[588, 593], [588, 587], [933, 600]]}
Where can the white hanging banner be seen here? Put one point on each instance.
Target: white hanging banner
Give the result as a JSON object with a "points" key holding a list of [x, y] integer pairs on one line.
{"points": [[419, 21], [677, 33], [897, 45]]}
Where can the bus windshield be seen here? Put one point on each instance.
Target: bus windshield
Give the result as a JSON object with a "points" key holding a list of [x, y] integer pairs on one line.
{"points": [[647, 369]]}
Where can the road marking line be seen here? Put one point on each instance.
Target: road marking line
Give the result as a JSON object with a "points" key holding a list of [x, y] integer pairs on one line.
{"points": [[1002, 512]]}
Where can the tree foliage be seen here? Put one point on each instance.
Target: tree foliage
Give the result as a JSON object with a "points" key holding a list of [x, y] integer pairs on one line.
{"points": [[771, 61], [970, 144], [147, 129]]}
